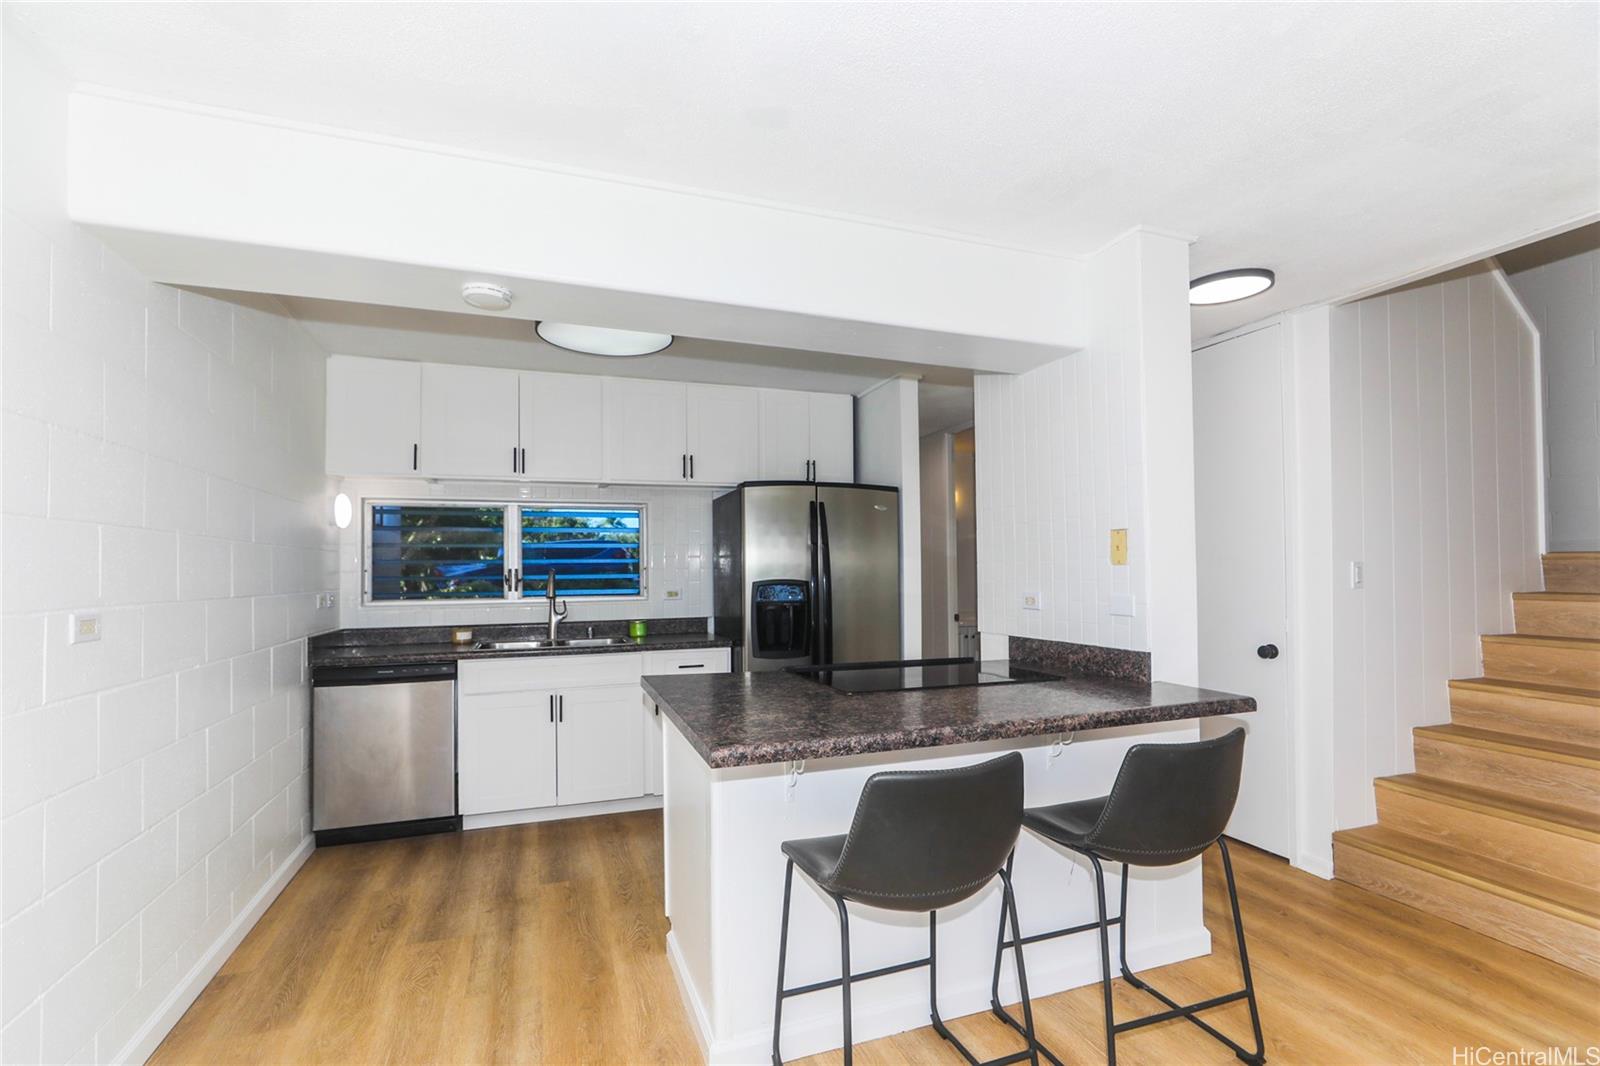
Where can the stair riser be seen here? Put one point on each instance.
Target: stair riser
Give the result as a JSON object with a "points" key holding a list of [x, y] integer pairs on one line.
{"points": [[1554, 618], [1571, 573], [1542, 664], [1545, 780], [1551, 936], [1507, 712], [1543, 851]]}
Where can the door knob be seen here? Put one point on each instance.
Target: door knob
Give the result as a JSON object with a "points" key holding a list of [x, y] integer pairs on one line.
{"points": [[1268, 651]]}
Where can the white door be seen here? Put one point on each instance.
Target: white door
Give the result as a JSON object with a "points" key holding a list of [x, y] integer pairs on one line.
{"points": [[1242, 557], [653, 747], [506, 751], [601, 746], [469, 421], [723, 440], [563, 426], [833, 437], [785, 435], [373, 412], [646, 437]]}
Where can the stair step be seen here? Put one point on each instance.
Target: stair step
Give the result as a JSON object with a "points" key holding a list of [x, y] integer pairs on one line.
{"points": [[1569, 661], [1532, 768], [1551, 711], [1547, 916], [1547, 838], [1558, 614], [1572, 571]]}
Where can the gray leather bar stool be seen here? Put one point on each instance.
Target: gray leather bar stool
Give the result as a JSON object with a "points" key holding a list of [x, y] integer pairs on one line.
{"points": [[1170, 802], [920, 840]]}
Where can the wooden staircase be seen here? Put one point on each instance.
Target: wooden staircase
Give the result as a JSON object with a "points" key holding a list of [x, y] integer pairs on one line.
{"points": [[1499, 828]]}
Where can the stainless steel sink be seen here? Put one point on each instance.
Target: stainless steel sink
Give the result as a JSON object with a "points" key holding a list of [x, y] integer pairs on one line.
{"points": [[535, 645]]}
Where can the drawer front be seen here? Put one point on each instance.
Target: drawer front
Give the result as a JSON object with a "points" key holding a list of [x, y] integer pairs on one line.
{"points": [[690, 661], [549, 671]]}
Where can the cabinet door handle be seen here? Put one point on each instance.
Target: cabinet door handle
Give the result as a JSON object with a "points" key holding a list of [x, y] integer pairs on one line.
{"points": [[691, 666], [552, 710], [413, 457], [691, 466], [683, 466], [561, 708], [513, 460], [524, 460]]}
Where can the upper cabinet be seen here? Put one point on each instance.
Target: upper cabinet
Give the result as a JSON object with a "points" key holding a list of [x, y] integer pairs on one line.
{"points": [[563, 419], [722, 441], [469, 422], [646, 430], [373, 408], [807, 436], [388, 417]]}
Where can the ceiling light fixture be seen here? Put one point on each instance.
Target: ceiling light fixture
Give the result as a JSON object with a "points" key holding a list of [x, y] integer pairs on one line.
{"points": [[486, 296], [1227, 286], [600, 340]]}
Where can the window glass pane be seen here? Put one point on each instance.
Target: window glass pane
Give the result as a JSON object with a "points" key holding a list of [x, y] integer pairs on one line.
{"points": [[594, 551], [430, 552]]}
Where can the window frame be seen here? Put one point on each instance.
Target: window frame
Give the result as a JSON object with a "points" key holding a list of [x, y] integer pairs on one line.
{"points": [[512, 532]]}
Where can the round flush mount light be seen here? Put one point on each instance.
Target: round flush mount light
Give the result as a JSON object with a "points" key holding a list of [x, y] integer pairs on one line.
{"points": [[600, 340], [486, 296], [343, 511], [1227, 286]]}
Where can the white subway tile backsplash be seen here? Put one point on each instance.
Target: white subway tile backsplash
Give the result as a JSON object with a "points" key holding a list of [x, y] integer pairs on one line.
{"points": [[229, 628], [252, 569], [174, 636], [137, 565], [204, 567], [252, 679], [175, 496], [205, 696], [230, 509]]}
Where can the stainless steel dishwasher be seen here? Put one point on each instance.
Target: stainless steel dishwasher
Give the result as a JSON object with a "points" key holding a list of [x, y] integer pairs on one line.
{"points": [[383, 752]]}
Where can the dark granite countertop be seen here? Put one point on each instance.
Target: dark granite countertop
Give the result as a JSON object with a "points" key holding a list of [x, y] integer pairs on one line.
{"points": [[403, 645], [753, 719]]}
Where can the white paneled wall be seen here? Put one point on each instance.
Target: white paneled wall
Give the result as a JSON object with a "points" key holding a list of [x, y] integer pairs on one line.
{"points": [[1435, 494], [1563, 298], [677, 539], [162, 469]]}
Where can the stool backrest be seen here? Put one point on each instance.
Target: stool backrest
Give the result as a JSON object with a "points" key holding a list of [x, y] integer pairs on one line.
{"points": [[925, 839], [1170, 801]]}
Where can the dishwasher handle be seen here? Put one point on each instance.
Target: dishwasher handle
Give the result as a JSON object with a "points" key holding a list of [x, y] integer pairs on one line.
{"points": [[408, 673]]}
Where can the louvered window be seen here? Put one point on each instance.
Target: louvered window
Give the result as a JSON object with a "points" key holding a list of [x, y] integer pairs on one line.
{"points": [[592, 550]]}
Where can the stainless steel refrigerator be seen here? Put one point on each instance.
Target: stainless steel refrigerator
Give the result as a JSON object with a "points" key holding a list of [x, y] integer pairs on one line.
{"points": [[807, 573]]}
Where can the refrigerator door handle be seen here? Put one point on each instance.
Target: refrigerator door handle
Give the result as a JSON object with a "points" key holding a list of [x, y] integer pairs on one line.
{"points": [[814, 621], [825, 584]]}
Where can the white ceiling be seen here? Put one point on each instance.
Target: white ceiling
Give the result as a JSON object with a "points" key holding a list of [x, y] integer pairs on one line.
{"points": [[1342, 145], [482, 340]]}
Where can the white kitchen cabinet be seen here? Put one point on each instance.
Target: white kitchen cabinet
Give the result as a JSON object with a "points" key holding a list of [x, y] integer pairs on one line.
{"points": [[807, 436], [373, 412], [833, 437], [646, 430], [722, 436], [469, 422], [654, 748], [601, 744], [506, 751], [688, 661], [563, 426]]}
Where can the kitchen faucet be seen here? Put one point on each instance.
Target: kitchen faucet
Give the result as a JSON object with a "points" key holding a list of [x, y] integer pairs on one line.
{"points": [[557, 612]]}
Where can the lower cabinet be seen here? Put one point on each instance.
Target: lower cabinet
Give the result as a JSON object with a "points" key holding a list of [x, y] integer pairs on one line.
{"points": [[548, 731], [695, 661]]}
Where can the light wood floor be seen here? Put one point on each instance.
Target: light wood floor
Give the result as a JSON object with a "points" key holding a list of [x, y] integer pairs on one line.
{"points": [[543, 943]]}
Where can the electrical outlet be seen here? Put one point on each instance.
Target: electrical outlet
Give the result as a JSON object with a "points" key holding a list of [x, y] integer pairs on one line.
{"points": [[1358, 575], [674, 594], [1032, 601], [83, 627], [1119, 547]]}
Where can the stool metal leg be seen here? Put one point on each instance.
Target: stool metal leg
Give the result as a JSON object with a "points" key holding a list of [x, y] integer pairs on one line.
{"points": [[844, 975], [1010, 904], [783, 952], [1105, 959], [1244, 958]]}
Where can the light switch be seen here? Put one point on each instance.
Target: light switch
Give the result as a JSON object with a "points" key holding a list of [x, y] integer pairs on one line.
{"points": [[83, 627], [1357, 575], [1119, 547], [1032, 601]]}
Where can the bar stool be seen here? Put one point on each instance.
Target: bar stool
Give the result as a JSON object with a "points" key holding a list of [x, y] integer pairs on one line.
{"points": [[1170, 802], [920, 840]]}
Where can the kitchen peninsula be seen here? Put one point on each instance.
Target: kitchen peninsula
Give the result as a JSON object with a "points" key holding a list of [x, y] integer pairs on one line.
{"points": [[756, 759]]}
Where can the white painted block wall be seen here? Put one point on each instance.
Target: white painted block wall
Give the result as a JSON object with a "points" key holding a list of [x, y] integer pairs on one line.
{"points": [[1435, 493], [1563, 298], [677, 541], [162, 468]]}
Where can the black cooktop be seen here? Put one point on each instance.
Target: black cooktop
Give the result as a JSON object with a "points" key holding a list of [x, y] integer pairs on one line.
{"points": [[907, 674]]}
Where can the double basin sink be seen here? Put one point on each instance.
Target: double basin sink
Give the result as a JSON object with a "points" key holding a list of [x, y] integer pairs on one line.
{"points": [[532, 645]]}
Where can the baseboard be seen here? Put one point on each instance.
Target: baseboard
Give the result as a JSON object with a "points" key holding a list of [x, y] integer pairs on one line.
{"points": [[971, 996], [554, 814], [150, 1035], [1317, 865]]}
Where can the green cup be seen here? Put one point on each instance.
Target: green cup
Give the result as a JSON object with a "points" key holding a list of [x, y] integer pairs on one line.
{"points": [[636, 629]]}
